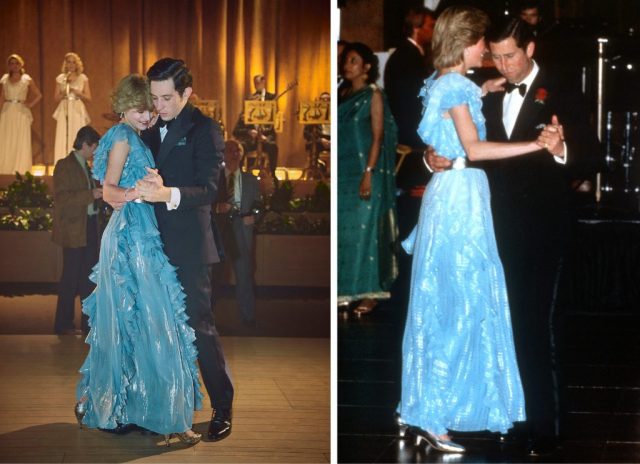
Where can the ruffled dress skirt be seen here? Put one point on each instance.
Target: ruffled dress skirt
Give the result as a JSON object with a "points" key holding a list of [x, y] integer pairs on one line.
{"points": [[459, 367], [141, 367]]}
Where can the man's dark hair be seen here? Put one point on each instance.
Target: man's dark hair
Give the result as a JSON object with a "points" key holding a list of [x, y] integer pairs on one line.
{"points": [[86, 134], [529, 4], [506, 27], [415, 18], [171, 68]]}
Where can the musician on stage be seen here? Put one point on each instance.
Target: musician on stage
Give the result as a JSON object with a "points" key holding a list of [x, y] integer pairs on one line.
{"points": [[251, 135]]}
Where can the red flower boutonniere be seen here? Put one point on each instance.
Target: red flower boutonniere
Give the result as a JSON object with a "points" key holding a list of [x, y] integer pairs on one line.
{"points": [[541, 95]]}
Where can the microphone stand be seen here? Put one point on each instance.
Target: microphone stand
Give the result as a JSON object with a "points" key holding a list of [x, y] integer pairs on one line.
{"points": [[66, 114]]}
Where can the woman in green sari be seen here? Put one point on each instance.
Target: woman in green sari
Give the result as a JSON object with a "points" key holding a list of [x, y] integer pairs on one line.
{"points": [[366, 185]]}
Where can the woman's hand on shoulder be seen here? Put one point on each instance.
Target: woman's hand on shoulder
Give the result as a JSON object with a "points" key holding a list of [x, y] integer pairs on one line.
{"points": [[493, 85]]}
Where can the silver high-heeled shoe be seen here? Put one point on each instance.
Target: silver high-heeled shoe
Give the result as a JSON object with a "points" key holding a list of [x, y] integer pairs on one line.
{"points": [[80, 410], [445, 446], [184, 438], [403, 428]]}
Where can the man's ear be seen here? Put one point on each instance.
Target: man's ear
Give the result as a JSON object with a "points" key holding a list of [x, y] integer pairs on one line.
{"points": [[531, 47], [187, 92]]}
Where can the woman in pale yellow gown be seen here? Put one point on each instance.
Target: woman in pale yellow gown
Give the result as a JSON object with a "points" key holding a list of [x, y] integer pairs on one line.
{"points": [[72, 90], [16, 118]]}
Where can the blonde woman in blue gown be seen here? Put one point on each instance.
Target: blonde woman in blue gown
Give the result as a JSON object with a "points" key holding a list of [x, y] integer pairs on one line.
{"points": [[459, 367], [141, 367]]}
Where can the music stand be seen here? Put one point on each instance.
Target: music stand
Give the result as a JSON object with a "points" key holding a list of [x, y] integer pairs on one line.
{"points": [[210, 108], [260, 113], [315, 114]]}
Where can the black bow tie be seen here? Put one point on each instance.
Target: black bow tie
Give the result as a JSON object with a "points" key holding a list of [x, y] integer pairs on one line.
{"points": [[522, 88], [163, 123]]}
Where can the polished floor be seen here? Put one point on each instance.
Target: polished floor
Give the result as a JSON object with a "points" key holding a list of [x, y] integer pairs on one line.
{"points": [[281, 407], [601, 366]]}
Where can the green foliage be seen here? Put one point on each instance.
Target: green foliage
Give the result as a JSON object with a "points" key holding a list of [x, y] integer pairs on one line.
{"points": [[287, 224], [26, 220], [24, 198], [26, 191], [282, 199]]}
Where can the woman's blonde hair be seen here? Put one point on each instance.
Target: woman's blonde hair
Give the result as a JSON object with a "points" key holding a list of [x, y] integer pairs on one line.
{"points": [[79, 64], [19, 59], [131, 92], [457, 28]]}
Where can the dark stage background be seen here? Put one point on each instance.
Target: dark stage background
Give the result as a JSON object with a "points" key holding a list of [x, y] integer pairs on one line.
{"points": [[224, 42]]}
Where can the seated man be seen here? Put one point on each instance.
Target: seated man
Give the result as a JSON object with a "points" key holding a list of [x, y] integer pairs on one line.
{"points": [[252, 135], [236, 203]]}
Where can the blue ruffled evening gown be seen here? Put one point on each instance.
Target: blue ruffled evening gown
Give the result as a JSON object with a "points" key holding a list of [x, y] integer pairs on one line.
{"points": [[459, 369], [141, 367]]}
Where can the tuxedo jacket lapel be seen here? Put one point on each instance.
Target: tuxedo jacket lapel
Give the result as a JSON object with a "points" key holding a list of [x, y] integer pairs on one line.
{"points": [[179, 130], [528, 113], [152, 138]]}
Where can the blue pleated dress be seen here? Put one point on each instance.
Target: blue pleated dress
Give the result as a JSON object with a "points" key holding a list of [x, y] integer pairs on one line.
{"points": [[459, 368], [141, 367]]}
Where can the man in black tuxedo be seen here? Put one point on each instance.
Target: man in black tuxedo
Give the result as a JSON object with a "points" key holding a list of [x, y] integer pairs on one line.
{"points": [[187, 147], [531, 202], [250, 135]]}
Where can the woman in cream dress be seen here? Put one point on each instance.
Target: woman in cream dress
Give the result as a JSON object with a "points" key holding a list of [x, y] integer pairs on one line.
{"points": [[72, 90], [16, 118]]}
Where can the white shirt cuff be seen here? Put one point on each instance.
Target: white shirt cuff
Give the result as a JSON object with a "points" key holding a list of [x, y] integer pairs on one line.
{"points": [[175, 199], [424, 161], [562, 159]]}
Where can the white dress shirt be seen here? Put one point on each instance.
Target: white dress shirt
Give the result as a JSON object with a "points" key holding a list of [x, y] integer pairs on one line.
{"points": [[512, 104]]}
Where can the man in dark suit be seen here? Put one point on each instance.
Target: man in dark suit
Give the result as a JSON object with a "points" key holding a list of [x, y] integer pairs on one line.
{"points": [[251, 135], [407, 68], [404, 74], [75, 227], [531, 202], [238, 197], [187, 147]]}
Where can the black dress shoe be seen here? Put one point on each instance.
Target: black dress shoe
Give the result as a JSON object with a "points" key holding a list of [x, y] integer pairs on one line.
{"points": [[122, 429], [220, 425], [542, 446]]}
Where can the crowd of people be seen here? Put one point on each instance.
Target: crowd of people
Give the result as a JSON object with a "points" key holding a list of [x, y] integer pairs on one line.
{"points": [[491, 217]]}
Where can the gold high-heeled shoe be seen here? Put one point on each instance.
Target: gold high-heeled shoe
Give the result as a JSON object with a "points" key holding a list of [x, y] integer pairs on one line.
{"points": [[184, 438], [80, 410], [445, 446]]}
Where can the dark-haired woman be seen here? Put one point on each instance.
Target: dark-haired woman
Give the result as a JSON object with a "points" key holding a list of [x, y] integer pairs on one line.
{"points": [[366, 186]]}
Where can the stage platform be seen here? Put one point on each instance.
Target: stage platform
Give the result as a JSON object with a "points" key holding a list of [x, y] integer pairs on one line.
{"points": [[281, 411]]}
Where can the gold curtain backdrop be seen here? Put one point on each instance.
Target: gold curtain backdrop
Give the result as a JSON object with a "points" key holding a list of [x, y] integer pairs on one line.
{"points": [[224, 42]]}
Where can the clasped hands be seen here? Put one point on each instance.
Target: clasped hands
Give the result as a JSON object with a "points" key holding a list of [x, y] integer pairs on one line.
{"points": [[551, 138], [150, 188]]}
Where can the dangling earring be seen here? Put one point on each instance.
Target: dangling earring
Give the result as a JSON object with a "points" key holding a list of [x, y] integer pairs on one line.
{"points": [[121, 115]]}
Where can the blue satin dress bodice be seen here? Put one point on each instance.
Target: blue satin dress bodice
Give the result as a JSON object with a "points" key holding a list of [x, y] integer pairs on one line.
{"points": [[141, 367], [459, 367]]}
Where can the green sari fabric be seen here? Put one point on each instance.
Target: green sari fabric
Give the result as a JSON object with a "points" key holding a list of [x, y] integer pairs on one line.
{"points": [[367, 229]]}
